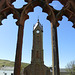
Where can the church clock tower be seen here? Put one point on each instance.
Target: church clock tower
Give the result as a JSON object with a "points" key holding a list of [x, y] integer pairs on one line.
{"points": [[37, 66], [37, 50]]}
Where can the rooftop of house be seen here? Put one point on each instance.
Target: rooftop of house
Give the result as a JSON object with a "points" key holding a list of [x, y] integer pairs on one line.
{"points": [[7, 68]]}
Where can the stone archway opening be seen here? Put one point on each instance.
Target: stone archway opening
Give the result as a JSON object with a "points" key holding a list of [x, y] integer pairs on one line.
{"points": [[46, 39], [51, 17], [66, 42], [8, 38]]}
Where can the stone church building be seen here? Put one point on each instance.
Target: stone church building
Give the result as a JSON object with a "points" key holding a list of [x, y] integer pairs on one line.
{"points": [[37, 66]]}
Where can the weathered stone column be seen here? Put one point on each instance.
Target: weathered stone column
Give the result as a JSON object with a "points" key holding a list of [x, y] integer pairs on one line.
{"points": [[17, 66], [55, 56]]}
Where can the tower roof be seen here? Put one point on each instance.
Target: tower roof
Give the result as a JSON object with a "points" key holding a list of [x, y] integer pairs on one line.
{"points": [[38, 24]]}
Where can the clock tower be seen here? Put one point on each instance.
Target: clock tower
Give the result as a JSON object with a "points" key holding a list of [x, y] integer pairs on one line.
{"points": [[37, 66], [37, 50]]}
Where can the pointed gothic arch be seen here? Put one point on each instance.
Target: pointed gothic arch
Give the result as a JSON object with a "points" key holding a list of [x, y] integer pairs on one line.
{"points": [[51, 17], [30, 8]]}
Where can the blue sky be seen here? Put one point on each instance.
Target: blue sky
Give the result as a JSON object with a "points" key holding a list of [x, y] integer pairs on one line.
{"points": [[66, 36]]}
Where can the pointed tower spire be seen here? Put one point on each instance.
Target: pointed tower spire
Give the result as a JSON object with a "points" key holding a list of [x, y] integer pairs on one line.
{"points": [[38, 25]]}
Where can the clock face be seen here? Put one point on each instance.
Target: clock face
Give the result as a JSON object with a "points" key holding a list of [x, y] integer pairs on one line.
{"points": [[37, 31]]}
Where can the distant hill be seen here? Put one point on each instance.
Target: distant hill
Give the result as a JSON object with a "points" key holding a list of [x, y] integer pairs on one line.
{"points": [[11, 63]]}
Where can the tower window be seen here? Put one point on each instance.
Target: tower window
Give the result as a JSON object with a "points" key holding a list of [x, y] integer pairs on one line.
{"points": [[37, 31], [37, 55]]}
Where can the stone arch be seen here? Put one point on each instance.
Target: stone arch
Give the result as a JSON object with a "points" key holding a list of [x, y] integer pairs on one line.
{"points": [[30, 8], [24, 15]]}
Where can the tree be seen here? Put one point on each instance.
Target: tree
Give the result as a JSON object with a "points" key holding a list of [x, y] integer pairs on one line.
{"points": [[71, 68]]}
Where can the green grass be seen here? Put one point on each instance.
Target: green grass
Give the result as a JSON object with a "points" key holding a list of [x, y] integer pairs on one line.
{"points": [[11, 63]]}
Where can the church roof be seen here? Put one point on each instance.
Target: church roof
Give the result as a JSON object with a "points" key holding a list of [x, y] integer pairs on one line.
{"points": [[38, 24]]}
